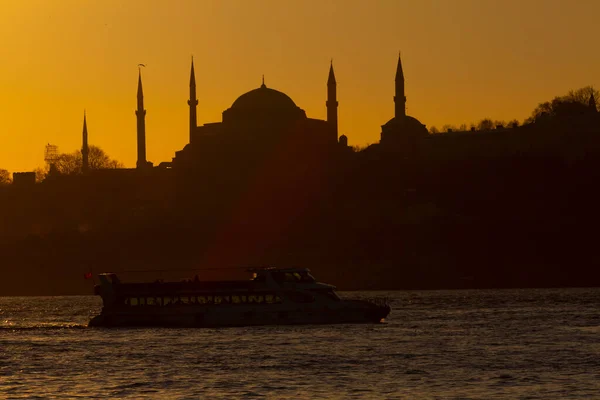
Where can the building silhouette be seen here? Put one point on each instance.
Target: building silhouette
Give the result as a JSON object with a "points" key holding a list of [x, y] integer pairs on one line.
{"points": [[193, 102], [85, 150], [265, 122], [268, 185], [260, 121], [332, 103], [402, 130], [141, 126]]}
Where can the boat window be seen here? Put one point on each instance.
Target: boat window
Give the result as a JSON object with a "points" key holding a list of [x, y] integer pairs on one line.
{"points": [[236, 300], [289, 277], [256, 299], [142, 301], [205, 299], [167, 301], [222, 299], [159, 301], [185, 299], [150, 301], [272, 299], [133, 301]]}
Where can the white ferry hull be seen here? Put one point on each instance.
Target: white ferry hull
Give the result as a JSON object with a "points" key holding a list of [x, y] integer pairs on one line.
{"points": [[223, 318]]}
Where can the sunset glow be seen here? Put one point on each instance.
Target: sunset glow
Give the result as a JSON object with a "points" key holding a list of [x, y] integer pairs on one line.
{"points": [[463, 61]]}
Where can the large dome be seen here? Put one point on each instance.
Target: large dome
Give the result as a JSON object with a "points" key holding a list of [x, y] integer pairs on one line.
{"points": [[264, 98]]}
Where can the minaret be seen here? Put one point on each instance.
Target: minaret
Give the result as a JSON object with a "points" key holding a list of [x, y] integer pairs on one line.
{"points": [[400, 98], [331, 103], [141, 125], [192, 102], [85, 151]]}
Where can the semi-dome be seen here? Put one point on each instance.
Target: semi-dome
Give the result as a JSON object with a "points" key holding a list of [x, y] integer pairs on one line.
{"points": [[400, 130], [264, 98], [406, 121], [406, 125]]}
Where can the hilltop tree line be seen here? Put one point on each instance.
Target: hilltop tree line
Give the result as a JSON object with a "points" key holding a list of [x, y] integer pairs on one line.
{"points": [[573, 103]]}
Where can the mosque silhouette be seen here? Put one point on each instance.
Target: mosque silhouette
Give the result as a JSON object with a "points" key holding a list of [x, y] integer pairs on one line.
{"points": [[264, 120]]}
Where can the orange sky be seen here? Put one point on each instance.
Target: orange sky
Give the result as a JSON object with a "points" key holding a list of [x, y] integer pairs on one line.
{"points": [[463, 60]]}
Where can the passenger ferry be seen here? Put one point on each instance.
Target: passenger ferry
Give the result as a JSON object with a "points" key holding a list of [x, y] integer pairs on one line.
{"points": [[273, 296]]}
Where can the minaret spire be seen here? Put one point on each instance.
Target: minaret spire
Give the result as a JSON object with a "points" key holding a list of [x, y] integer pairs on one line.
{"points": [[193, 102], [85, 151], [400, 98], [141, 124], [332, 103]]}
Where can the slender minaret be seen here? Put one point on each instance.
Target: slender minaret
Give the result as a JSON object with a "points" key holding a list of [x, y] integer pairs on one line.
{"points": [[85, 151], [400, 98], [192, 102], [141, 125], [331, 103]]}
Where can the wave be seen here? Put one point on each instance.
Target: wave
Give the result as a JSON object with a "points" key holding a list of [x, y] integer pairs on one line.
{"points": [[43, 326]]}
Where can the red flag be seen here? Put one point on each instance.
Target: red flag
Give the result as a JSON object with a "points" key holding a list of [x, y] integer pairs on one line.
{"points": [[87, 275]]}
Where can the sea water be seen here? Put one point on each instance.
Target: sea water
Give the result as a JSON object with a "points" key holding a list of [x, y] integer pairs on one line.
{"points": [[476, 344]]}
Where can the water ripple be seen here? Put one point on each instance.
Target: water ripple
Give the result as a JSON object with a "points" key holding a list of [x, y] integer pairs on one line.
{"points": [[537, 344]]}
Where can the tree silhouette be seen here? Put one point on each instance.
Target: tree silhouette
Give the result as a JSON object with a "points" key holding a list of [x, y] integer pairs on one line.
{"points": [[485, 124], [573, 103], [71, 163], [513, 124], [40, 173], [582, 95], [4, 177]]}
